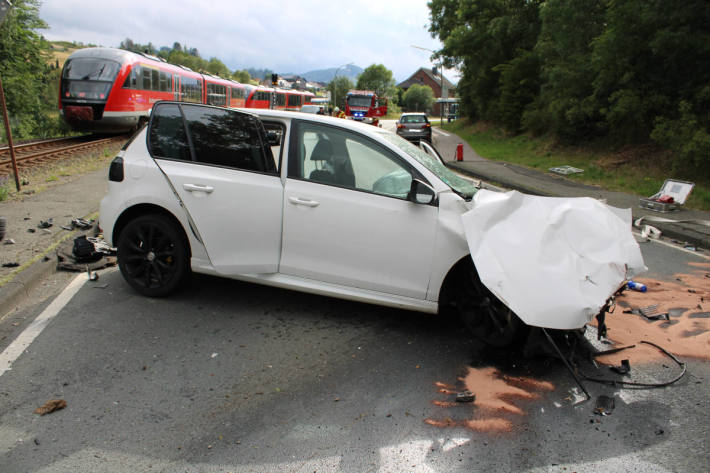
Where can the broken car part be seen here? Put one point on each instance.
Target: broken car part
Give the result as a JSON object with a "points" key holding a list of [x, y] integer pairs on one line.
{"points": [[615, 382], [604, 406]]}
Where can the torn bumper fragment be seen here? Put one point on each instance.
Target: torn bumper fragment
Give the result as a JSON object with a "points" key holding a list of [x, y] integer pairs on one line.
{"points": [[553, 261]]}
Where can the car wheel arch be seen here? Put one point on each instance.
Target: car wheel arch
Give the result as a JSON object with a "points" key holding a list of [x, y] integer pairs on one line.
{"points": [[146, 209]]}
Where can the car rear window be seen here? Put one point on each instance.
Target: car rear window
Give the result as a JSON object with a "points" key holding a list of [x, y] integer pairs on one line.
{"points": [[413, 119], [219, 137]]}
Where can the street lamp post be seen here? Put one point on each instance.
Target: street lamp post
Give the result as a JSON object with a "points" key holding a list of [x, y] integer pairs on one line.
{"points": [[4, 9], [335, 103], [441, 76]]}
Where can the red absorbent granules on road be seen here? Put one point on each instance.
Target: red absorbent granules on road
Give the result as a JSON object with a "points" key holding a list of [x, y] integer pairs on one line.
{"points": [[686, 300], [497, 403]]}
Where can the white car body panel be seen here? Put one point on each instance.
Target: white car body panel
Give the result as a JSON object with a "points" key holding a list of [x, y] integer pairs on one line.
{"points": [[221, 201], [553, 261], [357, 239]]}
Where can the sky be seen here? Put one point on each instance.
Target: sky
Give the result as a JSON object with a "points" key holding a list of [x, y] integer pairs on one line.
{"points": [[293, 36]]}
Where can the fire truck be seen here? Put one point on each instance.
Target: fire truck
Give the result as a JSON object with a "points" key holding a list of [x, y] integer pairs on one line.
{"points": [[365, 106]]}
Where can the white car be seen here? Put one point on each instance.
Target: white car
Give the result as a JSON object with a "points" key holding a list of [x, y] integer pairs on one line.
{"points": [[344, 209]]}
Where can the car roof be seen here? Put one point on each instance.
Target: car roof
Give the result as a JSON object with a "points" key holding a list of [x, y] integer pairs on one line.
{"points": [[325, 119]]}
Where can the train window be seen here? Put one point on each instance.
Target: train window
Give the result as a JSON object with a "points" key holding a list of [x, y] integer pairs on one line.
{"points": [[90, 69], [167, 137], [190, 89], [280, 99], [216, 94], [294, 100], [165, 82], [228, 138]]}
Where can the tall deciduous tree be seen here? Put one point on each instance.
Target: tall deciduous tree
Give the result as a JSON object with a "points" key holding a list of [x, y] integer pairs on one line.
{"points": [[378, 79], [338, 88], [418, 98], [24, 57]]}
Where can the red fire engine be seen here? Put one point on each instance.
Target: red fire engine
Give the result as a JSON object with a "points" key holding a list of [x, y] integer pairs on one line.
{"points": [[365, 105]]}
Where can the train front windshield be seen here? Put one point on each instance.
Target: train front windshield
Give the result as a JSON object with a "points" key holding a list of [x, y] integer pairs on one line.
{"points": [[88, 78], [359, 100]]}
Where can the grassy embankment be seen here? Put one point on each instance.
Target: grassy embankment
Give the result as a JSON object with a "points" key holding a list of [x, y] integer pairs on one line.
{"points": [[638, 170]]}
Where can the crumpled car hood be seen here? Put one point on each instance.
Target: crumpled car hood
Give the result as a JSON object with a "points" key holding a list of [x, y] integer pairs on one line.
{"points": [[553, 261]]}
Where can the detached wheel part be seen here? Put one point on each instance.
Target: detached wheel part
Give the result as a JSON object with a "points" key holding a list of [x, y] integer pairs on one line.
{"points": [[152, 255], [486, 316]]}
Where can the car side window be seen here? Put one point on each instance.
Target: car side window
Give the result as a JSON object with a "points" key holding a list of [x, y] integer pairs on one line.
{"points": [[228, 138], [167, 134], [329, 155]]}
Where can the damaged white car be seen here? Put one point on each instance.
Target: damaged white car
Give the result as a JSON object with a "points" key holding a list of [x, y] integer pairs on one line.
{"points": [[338, 208]]}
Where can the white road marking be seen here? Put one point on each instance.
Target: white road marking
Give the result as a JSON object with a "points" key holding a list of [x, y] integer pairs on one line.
{"points": [[20, 344], [671, 245], [439, 132]]}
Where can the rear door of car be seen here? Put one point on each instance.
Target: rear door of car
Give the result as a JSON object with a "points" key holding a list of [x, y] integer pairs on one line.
{"points": [[221, 168]]}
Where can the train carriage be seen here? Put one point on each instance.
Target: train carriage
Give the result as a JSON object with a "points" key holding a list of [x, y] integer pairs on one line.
{"points": [[111, 90]]}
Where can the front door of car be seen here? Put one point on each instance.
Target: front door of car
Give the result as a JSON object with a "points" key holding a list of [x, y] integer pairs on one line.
{"points": [[226, 178], [347, 219]]}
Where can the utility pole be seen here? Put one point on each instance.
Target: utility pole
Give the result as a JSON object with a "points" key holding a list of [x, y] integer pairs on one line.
{"points": [[441, 81]]}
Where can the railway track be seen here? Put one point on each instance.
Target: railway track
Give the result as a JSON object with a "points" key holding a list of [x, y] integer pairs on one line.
{"points": [[41, 152]]}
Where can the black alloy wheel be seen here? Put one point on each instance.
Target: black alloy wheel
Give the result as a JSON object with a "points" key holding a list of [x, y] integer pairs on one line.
{"points": [[486, 316], [152, 255]]}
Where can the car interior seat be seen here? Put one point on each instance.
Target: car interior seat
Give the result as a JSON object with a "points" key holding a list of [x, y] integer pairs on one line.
{"points": [[323, 152]]}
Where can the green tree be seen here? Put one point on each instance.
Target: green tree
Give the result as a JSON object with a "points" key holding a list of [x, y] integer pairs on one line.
{"points": [[418, 98], [338, 88], [242, 76], [378, 79], [565, 105], [480, 37], [24, 57], [217, 67]]}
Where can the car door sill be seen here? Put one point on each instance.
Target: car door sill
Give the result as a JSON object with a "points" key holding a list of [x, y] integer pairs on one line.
{"points": [[334, 290]]}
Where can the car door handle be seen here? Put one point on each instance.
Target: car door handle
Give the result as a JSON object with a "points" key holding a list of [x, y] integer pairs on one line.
{"points": [[306, 202], [198, 188]]}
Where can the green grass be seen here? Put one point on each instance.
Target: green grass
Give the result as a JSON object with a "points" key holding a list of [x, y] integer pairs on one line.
{"points": [[640, 170]]}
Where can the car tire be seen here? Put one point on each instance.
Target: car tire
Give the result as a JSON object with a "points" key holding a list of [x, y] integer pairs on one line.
{"points": [[152, 255], [486, 317]]}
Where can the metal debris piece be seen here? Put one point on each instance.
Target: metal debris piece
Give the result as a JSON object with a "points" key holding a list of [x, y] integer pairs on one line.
{"points": [[51, 406], [9, 241], [465, 396], [622, 369], [605, 405], [92, 275]]}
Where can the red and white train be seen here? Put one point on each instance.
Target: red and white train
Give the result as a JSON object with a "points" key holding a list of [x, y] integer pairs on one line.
{"points": [[111, 90]]}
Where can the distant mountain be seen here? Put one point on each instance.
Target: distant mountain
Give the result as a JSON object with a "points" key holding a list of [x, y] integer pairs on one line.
{"points": [[327, 75]]}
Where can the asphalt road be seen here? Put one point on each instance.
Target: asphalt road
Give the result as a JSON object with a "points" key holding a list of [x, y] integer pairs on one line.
{"points": [[230, 376]]}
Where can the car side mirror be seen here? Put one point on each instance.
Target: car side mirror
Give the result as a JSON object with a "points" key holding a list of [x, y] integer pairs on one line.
{"points": [[421, 193]]}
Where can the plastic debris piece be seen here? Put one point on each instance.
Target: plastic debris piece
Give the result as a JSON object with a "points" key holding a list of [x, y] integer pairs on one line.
{"points": [[45, 223], [82, 223], [605, 405], [624, 368], [9, 241], [10, 265], [566, 170], [30, 230], [51, 406], [465, 396]]}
